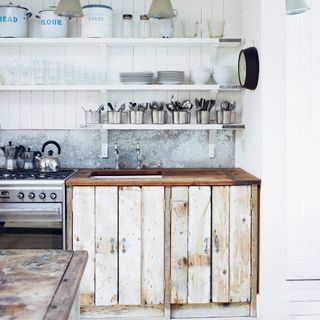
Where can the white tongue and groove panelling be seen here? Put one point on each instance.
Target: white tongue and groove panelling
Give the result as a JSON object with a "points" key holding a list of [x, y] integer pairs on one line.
{"points": [[62, 110]]}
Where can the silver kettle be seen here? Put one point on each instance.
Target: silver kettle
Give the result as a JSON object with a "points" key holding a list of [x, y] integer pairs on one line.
{"points": [[49, 162]]}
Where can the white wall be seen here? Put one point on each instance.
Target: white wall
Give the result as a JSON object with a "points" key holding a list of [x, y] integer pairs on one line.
{"points": [[261, 149]]}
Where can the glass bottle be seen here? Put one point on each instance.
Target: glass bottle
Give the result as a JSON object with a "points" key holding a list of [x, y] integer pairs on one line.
{"points": [[127, 26], [144, 28]]}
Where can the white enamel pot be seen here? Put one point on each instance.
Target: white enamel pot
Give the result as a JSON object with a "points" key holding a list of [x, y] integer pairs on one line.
{"points": [[51, 25], [13, 21], [97, 21]]}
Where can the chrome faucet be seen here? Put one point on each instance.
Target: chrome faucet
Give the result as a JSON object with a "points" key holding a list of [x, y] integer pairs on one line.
{"points": [[116, 152], [138, 156]]}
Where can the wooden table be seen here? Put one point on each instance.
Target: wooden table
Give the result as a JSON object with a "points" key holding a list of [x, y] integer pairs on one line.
{"points": [[40, 284]]}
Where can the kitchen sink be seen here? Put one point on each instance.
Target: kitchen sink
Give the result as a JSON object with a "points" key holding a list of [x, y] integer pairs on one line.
{"points": [[127, 174]]}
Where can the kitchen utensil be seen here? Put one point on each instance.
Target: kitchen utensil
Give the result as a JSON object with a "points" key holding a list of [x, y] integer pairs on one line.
{"points": [[49, 162], [97, 21], [51, 25], [181, 117], [159, 116], [13, 20], [136, 117], [114, 117], [11, 153], [203, 117], [29, 159], [200, 75]]}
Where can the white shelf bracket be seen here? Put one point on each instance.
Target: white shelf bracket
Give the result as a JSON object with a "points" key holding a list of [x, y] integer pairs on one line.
{"points": [[104, 134], [212, 143]]}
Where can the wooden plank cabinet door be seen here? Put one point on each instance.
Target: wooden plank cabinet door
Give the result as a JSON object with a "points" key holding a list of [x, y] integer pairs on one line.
{"points": [[199, 248], [129, 245], [153, 245], [84, 239], [240, 243], [106, 266], [179, 244]]}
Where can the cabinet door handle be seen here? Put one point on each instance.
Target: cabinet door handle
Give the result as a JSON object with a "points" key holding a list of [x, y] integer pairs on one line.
{"points": [[112, 246], [124, 250], [206, 243], [216, 243]]}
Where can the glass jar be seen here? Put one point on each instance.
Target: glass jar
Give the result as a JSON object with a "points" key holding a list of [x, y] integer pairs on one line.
{"points": [[127, 26], [144, 28]]}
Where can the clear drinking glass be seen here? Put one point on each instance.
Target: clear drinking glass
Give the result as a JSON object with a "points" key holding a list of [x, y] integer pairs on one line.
{"points": [[53, 72], [68, 73], [11, 66], [216, 28], [39, 72], [190, 28]]}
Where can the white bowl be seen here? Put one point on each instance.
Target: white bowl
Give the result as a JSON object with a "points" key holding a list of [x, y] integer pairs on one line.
{"points": [[224, 77], [200, 75], [222, 69]]}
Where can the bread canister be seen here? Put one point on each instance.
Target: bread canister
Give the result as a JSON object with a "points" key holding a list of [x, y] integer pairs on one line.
{"points": [[97, 21], [13, 21]]}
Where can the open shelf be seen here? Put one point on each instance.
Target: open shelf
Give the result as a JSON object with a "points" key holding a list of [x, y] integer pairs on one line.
{"points": [[122, 87], [114, 42], [192, 126]]}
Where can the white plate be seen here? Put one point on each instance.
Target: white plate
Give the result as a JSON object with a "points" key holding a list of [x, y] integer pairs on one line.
{"points": [[171, 82]]}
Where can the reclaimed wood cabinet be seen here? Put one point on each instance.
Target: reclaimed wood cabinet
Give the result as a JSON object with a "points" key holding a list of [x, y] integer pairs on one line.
{"points": [[179, 251]]}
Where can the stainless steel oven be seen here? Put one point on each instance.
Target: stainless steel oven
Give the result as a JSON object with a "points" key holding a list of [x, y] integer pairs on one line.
{"points": [[32, 209], [31, 225]]}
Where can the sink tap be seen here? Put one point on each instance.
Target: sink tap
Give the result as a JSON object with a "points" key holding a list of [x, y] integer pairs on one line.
{"points": [[138, 156], [116, 152]]}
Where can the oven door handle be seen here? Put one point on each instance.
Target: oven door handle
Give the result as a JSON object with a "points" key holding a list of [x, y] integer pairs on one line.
{"points": [[26, 215]]}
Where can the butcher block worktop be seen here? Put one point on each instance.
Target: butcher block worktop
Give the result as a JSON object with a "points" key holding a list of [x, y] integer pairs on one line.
{"points": [[39, 284], [170, 177]]}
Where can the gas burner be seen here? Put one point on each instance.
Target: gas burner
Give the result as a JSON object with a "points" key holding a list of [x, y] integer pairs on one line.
{"points": [[34, 175]]}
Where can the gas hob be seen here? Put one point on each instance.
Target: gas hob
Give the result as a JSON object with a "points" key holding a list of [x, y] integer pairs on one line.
{"points": [[34, 175]]}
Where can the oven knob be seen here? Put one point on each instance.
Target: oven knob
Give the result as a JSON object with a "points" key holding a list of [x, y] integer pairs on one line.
{"points": [[20, 195], [31, 195], [42, 195], [53, 196]]}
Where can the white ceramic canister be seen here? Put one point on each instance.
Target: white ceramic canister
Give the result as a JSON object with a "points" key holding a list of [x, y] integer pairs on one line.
{"points": [[13, 21], [51, 25], [97, 21]]}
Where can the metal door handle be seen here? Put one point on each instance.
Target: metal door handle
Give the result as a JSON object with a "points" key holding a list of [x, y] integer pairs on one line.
{"points": [[206, 242], [112, 246], [124, 250], [216, 243]]}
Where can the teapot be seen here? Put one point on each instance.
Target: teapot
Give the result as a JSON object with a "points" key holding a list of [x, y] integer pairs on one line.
{"points": [[49, 162]]}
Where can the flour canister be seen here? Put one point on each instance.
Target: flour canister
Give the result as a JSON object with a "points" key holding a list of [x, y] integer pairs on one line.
{"points": [[13, 21], [51, 25], [97, 21]]}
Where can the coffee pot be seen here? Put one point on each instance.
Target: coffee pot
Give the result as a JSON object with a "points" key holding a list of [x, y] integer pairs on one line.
{"points": [[11, 153], [29, 159]]}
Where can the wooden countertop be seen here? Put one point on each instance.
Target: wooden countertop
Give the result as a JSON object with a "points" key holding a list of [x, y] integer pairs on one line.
{"points": [[170, 177], [39, 284]]}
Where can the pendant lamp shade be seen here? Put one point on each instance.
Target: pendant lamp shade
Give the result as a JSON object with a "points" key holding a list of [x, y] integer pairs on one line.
{"points": [[296, 6], [161, 9], [69, 8]]}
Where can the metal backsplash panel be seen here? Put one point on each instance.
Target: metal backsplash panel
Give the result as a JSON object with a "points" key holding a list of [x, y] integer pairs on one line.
{"points": [[170, 149]]}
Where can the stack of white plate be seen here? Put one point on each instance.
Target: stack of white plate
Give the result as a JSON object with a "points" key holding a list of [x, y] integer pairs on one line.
{"points": [[136, 77], [171, 77]]}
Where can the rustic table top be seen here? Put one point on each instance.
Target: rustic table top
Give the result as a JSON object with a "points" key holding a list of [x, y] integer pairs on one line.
{"points": [[39, 284], [170, 177]]}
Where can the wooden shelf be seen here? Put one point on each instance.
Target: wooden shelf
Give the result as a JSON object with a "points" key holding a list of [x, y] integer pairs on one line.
{"points": [[121, 87], [124, 42], [192, 126]]}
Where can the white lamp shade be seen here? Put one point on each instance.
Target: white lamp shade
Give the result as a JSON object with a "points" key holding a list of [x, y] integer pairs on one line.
{"points": [[69, 8], [296, 6], [161, 9]]}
